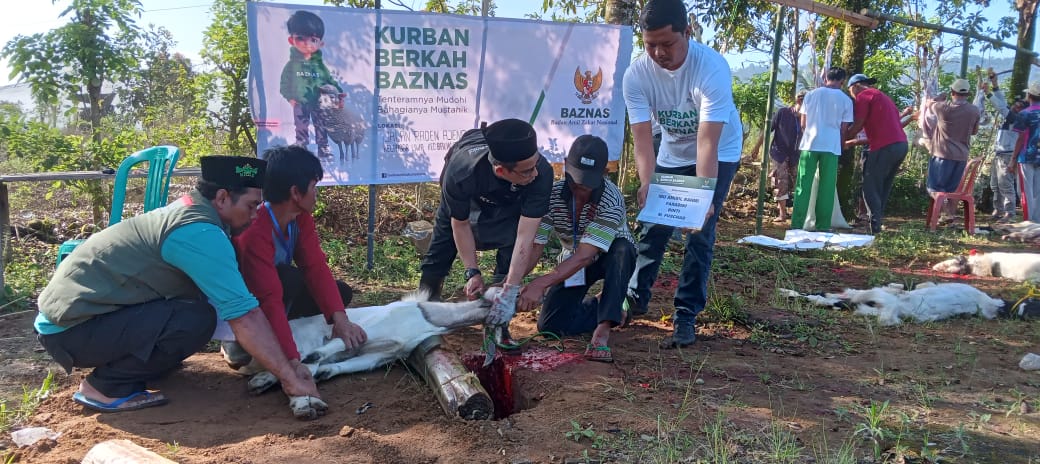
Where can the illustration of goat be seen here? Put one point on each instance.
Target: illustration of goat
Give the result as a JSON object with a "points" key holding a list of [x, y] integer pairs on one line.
{"points": [[345, 127]]}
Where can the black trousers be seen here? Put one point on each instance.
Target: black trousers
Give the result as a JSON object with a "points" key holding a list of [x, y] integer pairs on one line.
{"points": [[566, 311], [129, 347], [297, 297], [491, 232]]}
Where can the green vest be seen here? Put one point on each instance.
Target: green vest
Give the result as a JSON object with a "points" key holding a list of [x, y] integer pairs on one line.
{"points": [[122, 265]]}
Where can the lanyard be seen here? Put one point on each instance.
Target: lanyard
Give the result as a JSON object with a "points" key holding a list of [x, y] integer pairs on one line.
{"points": [[574, 225], [286, 241]]}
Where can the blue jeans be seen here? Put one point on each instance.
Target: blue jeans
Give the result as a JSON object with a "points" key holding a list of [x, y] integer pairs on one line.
{"points": [[692, 292]]}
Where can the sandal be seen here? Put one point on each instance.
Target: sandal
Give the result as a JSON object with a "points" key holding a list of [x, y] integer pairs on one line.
{"points": [[599, 354]]}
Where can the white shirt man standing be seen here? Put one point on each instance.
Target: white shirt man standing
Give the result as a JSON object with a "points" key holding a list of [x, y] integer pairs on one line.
{"points": [[685, 87]]}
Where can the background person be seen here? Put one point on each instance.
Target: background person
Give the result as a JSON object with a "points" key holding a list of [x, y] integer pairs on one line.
{"points": [[825, 118], [877, 115], [956, 121], [787, 131], [1001, 181], [1027, 149]]}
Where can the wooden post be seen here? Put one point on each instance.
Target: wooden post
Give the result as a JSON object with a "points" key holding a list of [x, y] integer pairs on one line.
{"points": [[457, 389], [5, 231]]}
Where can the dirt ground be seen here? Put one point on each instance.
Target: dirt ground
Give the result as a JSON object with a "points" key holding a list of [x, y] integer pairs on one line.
{"points": [[954, 387]]}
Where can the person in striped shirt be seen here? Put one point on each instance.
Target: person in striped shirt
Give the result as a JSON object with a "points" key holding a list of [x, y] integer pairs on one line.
{"points": [[587, 212]]}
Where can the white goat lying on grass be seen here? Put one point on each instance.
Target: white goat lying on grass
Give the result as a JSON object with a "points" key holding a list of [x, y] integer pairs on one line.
{"points": [[394, 330], [1020, 267], [925, 303]]}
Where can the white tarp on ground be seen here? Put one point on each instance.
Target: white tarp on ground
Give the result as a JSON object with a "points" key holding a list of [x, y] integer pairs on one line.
{"points": [[419, 80], [803, 240]]}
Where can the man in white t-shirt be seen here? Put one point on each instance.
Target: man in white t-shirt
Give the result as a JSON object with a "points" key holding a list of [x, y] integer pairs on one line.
{"points": [[685, 87], [826, 117]]}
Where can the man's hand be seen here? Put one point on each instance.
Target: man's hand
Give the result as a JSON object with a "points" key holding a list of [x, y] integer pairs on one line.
{"points": [[707, 215], [301, 383], [531, 295], [504, 306], [474, 287], [353, 335], [641, 195]]}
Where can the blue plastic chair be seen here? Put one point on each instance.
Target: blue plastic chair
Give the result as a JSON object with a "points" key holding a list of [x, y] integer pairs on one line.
{"points": [[161, 162]]}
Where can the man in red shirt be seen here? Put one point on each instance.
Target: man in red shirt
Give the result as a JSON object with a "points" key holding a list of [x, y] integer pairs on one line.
{"points": [[282, 235], [876, 114]]}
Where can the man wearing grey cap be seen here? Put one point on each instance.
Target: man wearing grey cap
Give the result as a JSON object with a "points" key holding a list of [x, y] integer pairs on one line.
{"points": [[876, 114], [494, 191], [137, 298], [956, 121], [587, 213]]}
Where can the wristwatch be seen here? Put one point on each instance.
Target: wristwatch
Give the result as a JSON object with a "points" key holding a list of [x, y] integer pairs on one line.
{"points": [[471, 272]]}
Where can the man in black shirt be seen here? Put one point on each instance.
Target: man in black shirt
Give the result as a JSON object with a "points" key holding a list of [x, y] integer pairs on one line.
{"points": [[494, 191]]}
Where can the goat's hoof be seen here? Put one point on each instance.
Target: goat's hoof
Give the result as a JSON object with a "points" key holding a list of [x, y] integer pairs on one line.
{"points": [[262, 382], [307, 407], [322, 374], [311, 358]]}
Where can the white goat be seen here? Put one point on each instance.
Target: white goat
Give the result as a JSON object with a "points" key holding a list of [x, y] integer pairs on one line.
{"points": [[393, 330], [1020, 267], [925, 303], [345, 127]]}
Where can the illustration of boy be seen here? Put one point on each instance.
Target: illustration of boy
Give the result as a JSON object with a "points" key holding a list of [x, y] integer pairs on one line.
{"points": [[303, 76]]}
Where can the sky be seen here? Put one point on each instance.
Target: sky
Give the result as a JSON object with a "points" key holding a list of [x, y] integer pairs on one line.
{"points": [[186, 20]]}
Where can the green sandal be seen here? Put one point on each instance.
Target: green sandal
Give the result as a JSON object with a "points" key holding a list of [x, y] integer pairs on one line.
{"points": [[599, 354]]}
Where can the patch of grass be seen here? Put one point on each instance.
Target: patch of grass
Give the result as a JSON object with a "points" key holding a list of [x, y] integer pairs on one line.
{"points": [[844, 454], [872, 427], [725, 307], [579, 433], [24, 277], [11, 416], [781, 445]]}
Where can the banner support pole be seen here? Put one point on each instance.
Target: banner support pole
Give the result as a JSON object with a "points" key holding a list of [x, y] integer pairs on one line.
{"points": [[371, 255]]}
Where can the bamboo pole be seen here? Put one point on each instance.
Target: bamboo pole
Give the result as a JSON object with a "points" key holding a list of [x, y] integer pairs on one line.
{"points": [[767, 135], [859, 19], [5, 231]]}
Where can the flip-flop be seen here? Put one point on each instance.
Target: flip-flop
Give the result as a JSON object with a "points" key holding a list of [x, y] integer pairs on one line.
{"points": [[131, 402], [599, 354]]}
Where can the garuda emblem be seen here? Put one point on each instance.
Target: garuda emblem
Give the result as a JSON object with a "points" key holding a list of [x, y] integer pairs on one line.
{"points": [[587, 85]]}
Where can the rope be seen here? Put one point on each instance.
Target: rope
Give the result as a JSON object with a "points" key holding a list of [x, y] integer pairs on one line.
{"points": [[489, 340], [1031, 293]]}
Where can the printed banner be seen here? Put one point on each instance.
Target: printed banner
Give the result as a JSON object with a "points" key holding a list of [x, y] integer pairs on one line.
{"points": [[381, 95]]}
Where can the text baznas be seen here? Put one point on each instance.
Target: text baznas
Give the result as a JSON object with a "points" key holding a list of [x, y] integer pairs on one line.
{"points": [[431, 60]]}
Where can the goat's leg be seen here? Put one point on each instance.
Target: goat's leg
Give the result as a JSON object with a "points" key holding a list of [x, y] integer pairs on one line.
{"points": [[365, 362], [324, 352], [262, 382]]}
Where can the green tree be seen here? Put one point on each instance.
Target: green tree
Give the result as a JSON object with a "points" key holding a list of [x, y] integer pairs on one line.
{"points": [[165, 84], [1026, 22], [73, 61], [225, 47]]}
